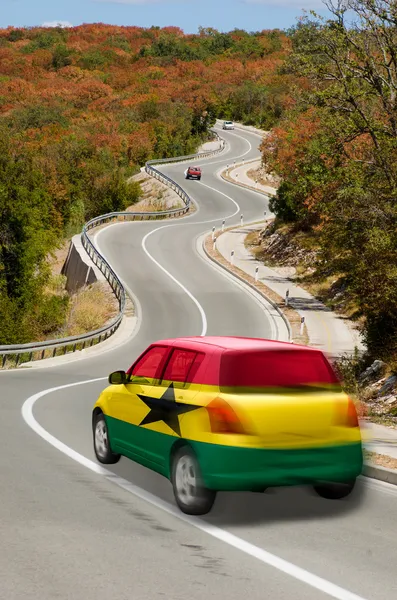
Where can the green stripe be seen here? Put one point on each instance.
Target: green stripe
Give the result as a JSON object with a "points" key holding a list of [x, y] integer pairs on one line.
{"points": [[147, 447], [233, 468]]}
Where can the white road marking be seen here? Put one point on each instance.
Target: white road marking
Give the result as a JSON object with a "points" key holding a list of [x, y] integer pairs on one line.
{"points": [[217, 162], [265, 557], [134, 298], [175, 280], [193, 298], [272, 314]]}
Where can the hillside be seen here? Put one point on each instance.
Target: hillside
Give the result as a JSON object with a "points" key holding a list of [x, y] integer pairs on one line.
{"points": [[81, 109], [335, 153]]}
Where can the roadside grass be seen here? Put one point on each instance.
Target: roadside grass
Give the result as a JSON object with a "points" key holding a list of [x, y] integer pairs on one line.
{"points": [[156, 196], [90, 308], [263, 179]]}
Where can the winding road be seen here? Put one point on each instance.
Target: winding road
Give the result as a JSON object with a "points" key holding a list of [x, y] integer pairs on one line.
{"points": [[71, 529]]}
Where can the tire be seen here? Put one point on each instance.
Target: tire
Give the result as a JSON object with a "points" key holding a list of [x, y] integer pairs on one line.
{"points": [[102, 447], [191, 496], [335, 491], [199, 178]]}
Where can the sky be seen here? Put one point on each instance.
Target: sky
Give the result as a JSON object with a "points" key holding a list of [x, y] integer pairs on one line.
{"points": [[223, 15]]}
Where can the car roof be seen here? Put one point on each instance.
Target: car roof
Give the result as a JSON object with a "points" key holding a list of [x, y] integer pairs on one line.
{"points": [[196, 168], [233, 343]]}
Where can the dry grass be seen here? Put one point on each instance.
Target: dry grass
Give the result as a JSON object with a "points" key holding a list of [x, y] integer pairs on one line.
{"points": [[59, 257], [263, 178], [290, 314], [380, 459], [156, 196], [90, 308]]}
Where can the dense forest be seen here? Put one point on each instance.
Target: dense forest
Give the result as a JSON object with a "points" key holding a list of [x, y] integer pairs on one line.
{"points": [[335, 150], [81, 109]]}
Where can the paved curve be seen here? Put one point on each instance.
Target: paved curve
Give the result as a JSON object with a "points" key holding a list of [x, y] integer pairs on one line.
{"points": [[69, 533]]}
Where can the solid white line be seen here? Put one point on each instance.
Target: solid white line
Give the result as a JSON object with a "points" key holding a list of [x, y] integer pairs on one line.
{"points": [[272, 314], [193, 298], [216, 162], [265, 557]]}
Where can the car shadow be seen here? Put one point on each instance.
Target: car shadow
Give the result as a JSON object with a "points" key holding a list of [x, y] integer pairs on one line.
{"points": [[286, 504]]}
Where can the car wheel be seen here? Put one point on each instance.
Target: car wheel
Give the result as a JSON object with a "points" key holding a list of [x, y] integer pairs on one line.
{"points": [[199, 178], [102, 447], [192, 497], [335, 491]]}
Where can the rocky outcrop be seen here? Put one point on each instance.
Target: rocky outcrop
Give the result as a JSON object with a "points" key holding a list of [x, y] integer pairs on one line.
{"points": [[282, 249], [379, 391]]}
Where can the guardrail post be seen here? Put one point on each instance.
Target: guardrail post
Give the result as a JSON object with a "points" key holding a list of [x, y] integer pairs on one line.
{"points": [[302, 325]]}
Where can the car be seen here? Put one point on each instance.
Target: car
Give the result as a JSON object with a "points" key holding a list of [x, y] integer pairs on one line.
{"points": [[193, 173], [229, 413], [228, 125]]}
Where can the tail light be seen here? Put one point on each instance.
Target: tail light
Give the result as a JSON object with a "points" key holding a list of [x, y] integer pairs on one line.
{"points": [[347, 415], [223, 419]]}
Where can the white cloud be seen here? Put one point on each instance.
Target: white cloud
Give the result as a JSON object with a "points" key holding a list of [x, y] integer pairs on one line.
{"points": [[57, 24], [300, 4]]}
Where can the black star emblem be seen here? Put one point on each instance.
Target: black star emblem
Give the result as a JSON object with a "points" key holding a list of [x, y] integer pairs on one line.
{"points": [[166, 409]]}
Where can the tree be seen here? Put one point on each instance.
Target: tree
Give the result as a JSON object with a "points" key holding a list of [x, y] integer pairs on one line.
{"points": [[352, 75]]}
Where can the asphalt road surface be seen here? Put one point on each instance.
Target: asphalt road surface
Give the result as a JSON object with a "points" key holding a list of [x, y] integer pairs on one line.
{"points": [[71, 529]]}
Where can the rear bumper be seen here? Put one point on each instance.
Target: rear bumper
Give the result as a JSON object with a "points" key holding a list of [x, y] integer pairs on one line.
{"points": [[231, 468]]}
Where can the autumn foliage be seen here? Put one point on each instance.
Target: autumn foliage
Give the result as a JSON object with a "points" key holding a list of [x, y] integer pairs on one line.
{"points": [[81, 109], [336, 151]]}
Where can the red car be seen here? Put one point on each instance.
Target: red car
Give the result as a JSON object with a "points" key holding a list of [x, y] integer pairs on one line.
{"points": [[193, 173]]}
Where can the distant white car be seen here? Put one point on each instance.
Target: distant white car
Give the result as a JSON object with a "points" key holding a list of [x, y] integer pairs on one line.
{"points": [[228, 125]]}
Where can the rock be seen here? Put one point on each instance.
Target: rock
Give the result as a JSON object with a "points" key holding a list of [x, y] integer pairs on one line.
{"points": [[375, 369], [390, 400], [389, 384]]}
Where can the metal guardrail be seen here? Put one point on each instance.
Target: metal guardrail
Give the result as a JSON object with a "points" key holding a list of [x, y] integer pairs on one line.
{"points": [[14, 355]]}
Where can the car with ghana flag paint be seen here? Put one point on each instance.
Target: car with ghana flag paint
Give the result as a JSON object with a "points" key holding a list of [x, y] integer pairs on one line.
{"points": [[231, 413]]}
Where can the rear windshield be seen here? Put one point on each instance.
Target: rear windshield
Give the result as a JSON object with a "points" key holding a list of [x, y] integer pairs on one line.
{"points": [[276, 369], [195, 168]]}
